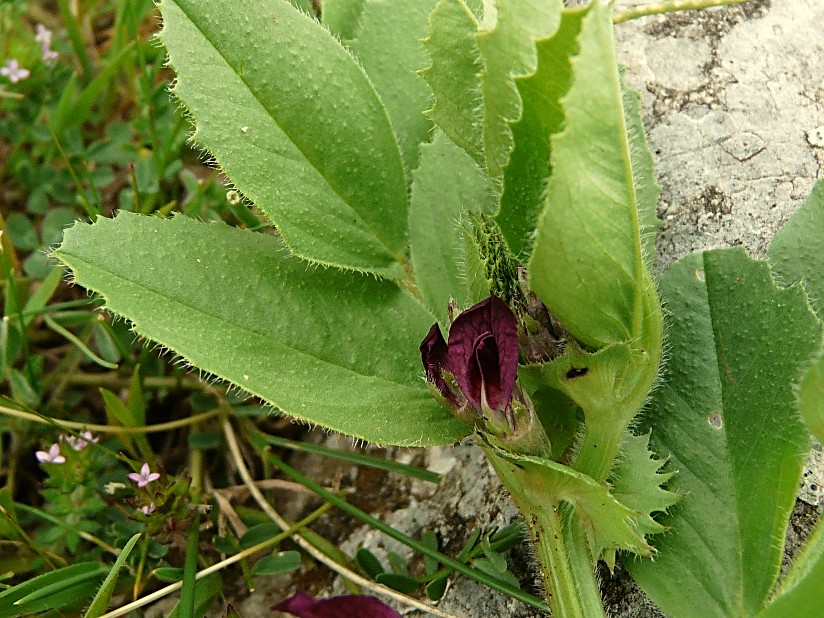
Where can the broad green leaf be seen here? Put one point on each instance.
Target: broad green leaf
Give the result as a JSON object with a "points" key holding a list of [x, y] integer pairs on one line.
{"points": [[586, 265], [647, 190], [796, 252], [447, 185], [506, 41], [528, 170], [453, 75], [726, 417], [388, 46], [342, 17], [295, 123], [336, 349], [811, 398]]}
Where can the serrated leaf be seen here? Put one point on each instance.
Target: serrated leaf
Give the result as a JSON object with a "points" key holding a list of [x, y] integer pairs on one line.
{"points": [[527, 173], [796, 252], [542, 484], [388, 45], [452, 47], [588, 249], [313, 149], [725, 415], [324, 346], [507, 45], [637, 482], [447, 185]]}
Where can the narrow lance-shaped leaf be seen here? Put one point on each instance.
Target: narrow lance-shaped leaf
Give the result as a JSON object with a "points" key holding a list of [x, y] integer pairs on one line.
{"points": [[507, 39], [726, 416], [388, 46], [527, 173], [586, 265], [336, 349], [446, 186], [295, 123]]}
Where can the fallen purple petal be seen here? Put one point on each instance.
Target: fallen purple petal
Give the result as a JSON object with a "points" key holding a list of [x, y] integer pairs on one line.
{"points": [[346, 606]]}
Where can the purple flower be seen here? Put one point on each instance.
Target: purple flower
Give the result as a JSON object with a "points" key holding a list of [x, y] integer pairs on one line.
{"points": [[14, 72], [345, 606], [147, 510], [482, 356], [52, 456], [144, 477]]}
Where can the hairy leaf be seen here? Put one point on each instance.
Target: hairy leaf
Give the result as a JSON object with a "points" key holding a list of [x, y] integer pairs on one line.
{"points": [[726, 417], [796, 252], [252, 74], [586, 265], [528, 170], [389, 47], [335, 349], [342, 17], [453, 75], [447, 185], [506, 41]]}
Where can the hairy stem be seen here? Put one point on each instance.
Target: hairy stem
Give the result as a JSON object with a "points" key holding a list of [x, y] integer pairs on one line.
{"points": [[658, 8]]}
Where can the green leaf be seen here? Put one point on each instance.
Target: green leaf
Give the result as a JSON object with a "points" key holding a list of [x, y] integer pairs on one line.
{"points": [[506, 41], [342, 17], [726, 418], [541, 484], [801, 594], [401, 583], [796, 252], [588, 249], [369, 562], [647, 190], [528, 170], [104, 594], [205, 591], [447, 185], [64, 589], [811, 398], [638, 483], [21, 232], [324, 346], [280, 562], [388, 46], [295, 123], [453, 76]]}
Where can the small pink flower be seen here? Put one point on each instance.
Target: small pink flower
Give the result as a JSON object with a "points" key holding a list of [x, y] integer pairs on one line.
{"points": [[43, 36], [78, 444], [144, 477], [52, 456], [147, 510], [13, 71], [50, 57]]}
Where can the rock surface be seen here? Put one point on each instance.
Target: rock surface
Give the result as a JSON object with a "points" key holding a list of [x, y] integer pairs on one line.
{"points": [[733, 102]]}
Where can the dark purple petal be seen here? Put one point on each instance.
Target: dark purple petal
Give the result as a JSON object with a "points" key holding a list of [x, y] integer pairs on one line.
{"points": [[345, 606], [433, 354], [483, 353]]}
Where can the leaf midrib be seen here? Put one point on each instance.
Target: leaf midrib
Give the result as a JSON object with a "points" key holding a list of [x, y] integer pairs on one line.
{"points": [[171, 299]]}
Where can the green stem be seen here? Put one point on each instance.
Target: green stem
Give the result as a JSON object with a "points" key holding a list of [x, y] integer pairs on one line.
{"points": [[659, 8], [566, 563], [598, 450]]}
